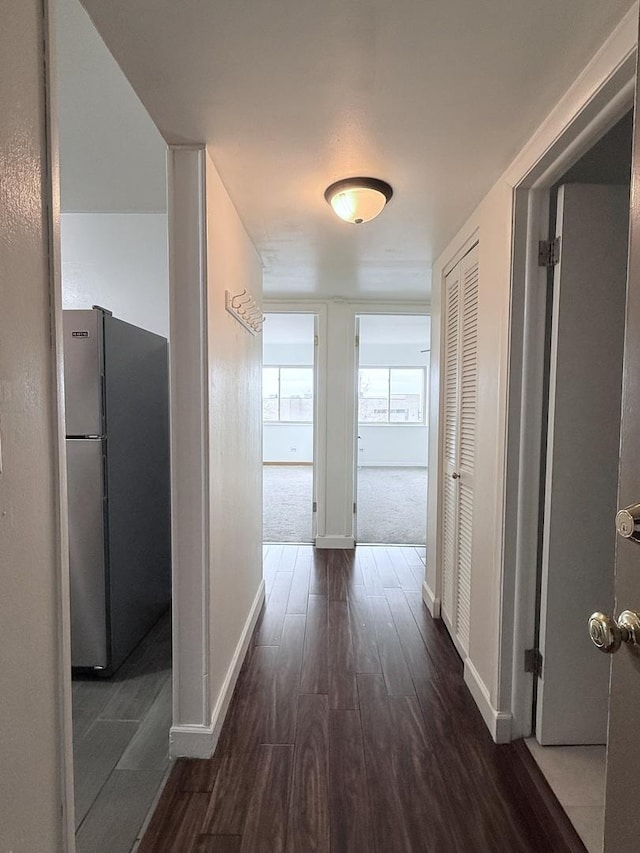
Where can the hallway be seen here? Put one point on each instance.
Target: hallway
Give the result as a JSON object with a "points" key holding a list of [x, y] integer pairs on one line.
{"points": [[351, 731]]}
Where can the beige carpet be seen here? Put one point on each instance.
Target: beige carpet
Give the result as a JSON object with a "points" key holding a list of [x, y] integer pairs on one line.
{"points": [[392, 504], [288, 503]]}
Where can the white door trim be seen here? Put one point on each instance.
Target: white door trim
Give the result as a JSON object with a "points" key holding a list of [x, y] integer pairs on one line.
{"points": [[55, 277], [189, 394], [342, 312], [596, 101], [356, 425], [363, 309]]}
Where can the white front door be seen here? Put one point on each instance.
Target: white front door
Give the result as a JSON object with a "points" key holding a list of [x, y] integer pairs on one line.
{"points": [[622, 807]]}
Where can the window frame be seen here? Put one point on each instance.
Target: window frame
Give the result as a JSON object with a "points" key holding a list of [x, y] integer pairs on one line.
{"points": [[389, 422], [280, 367]]}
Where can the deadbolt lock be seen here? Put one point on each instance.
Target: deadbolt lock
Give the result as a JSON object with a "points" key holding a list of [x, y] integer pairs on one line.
{"points": [[628, 522]]}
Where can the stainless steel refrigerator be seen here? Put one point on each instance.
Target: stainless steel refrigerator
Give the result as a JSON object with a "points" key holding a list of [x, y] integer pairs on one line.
{"points": [[117, 425]]}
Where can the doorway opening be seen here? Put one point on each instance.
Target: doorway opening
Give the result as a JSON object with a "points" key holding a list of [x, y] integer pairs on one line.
{"points": [[289, 383], [588, 222], [114, 287], [392, 439]]}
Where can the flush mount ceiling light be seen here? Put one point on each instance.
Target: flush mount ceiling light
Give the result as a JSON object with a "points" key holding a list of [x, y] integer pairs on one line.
{"points": [[358, 200]]}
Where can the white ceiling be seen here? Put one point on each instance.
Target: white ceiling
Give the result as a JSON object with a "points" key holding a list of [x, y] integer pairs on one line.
{"points": [[434, 96]]}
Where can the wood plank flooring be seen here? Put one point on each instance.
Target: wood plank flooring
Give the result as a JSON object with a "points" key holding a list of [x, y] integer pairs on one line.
{"points": [[351, 731]]}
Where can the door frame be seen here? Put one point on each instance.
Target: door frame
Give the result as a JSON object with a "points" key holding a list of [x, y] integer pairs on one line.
{"points": [[57, 337], [392, 309], [190, 662], [567, 608], [356, 430], [319, 311], [598, 99]]}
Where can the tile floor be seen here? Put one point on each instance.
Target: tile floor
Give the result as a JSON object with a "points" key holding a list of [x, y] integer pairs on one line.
{"points": [[121, 745], [576, 775]]}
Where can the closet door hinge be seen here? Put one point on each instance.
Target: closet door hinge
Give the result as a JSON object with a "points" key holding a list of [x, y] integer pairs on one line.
{"points": [[357, 341], [315, 506], [533, 662], [354, 507], [549, 253]]}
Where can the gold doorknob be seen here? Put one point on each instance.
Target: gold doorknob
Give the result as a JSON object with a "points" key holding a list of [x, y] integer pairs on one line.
{"points": [[608, 634], [455, 475]]}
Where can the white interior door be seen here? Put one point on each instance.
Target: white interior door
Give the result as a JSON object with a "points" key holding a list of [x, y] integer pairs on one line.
{"points": [[582, 459]]}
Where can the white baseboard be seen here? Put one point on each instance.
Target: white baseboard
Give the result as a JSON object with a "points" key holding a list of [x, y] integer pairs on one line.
{"points": [[432, 602], [498, 723], [193, 741], [335, 542], [393, 464]]}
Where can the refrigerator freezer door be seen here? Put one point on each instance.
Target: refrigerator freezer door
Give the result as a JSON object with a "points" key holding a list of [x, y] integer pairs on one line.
{"points": [[83, 372], [87, 564]]}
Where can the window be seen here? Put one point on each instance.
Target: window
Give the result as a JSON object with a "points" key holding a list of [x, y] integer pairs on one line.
{"points": [[287, 394], [391, 395]]}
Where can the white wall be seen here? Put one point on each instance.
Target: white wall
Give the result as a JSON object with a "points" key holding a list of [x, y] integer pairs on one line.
{"points": [[489, 663], [216, 449], [288, 442], [31, 672], [118, 261], [383, 445], [491, 225], [235, 432], [113, 182], [112, 157]]}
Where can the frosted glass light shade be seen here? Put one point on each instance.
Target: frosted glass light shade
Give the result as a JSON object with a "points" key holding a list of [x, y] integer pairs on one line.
{"points": [[358, 200]]}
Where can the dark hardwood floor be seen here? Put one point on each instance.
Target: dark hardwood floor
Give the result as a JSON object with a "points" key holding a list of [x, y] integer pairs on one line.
{"points": [[351, 731]]}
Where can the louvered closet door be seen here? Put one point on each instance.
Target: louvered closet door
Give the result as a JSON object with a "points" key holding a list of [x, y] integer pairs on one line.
{"points": [[461, 351], [451, 417], [467, 447]]}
